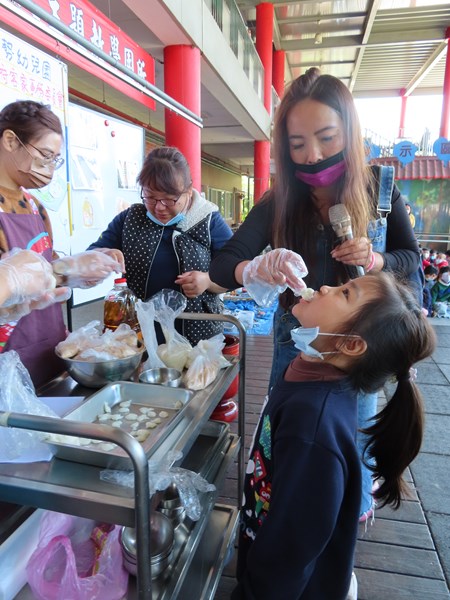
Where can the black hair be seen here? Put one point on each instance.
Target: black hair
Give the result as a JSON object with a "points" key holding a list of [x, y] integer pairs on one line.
{"points": [[166, 170], [397, 335], [29, 120], [430, 270]]}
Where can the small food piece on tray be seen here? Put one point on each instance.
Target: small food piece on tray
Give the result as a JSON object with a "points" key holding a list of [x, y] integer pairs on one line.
{"points": [[141, 435], [157, 420], [107, 447], [125, 404], [163, 414], [150, 425], [131, 417], [104, 417], [59, 438]]}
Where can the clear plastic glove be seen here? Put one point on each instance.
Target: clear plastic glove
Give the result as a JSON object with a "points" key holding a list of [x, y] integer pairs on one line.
{"points": [[86, 269], [270, 274], [24, 276], [16, 312]]}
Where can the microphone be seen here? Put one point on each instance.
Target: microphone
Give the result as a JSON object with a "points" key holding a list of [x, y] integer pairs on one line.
{"points": [[342, 226]]}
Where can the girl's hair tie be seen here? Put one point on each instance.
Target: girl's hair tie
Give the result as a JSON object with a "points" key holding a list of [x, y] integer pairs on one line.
{"points": [[410, 375]]}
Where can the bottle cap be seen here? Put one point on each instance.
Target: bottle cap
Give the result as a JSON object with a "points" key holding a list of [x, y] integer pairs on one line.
{"points": [[120, 280]]}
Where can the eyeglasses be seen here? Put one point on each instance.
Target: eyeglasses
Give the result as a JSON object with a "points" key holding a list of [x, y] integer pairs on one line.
{"points": [[152, 201], [52, 162]]}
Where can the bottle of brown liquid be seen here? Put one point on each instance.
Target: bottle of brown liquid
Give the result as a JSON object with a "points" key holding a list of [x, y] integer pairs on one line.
{"points": [[120, 307]]}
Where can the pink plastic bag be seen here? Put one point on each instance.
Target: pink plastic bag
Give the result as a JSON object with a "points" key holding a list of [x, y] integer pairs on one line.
{"points": [[75, 560]]}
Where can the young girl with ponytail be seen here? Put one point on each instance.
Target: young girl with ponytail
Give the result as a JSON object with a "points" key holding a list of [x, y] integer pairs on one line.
{"points": [[303, 483]]}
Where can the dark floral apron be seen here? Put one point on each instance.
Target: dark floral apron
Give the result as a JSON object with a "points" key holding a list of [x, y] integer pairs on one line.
{"points": [[34, 336]]}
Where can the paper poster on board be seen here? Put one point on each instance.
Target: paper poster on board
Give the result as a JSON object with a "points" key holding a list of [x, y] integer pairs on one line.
{"points": [[27, 73], [105, 157]]}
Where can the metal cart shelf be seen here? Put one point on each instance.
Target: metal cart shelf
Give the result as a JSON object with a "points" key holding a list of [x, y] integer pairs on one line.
{"points": [[77, 489]]}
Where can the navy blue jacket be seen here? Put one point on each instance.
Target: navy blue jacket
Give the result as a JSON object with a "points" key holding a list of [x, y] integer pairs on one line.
{"points": [[302, 496]]}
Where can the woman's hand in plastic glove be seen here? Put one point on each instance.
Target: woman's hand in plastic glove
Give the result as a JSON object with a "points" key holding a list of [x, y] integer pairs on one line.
{"points": [[85, 269], [17, 311], [279, 267], [116, 255], [193, 283], [24, 276]]}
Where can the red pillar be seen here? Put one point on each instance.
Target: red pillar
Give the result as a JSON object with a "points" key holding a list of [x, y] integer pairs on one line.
{"points": [[264, 40], [278, 71], [182, 82], [401, 129], [445, 116]]}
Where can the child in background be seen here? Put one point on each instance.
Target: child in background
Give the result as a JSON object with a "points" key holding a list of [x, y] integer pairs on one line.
{"points": [[303, 483], [431, 273], [425, 257], [441, 260], [440, 293], [433, 254]]}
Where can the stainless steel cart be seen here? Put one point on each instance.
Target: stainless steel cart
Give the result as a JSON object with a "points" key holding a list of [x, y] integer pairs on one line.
{"points": [[201, 548]]}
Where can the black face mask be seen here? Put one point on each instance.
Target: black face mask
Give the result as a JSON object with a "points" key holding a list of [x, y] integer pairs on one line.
{"points": [[323, 173]]}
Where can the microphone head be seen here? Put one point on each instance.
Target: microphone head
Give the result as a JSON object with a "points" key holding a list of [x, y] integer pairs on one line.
{"points": [[340, 220]]}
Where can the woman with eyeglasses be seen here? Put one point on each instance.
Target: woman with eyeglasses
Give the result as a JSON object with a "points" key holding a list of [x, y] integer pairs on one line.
{"points": [[168, 241], [30, 151]]}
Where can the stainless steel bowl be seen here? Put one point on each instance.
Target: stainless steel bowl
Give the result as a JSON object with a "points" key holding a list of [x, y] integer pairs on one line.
{"points": [[97, 374], [165, 376], [171, 505], [161, 544]]}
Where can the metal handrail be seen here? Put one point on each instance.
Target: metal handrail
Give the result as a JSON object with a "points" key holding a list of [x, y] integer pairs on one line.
{"points": [[136, 453], [241, 393]]}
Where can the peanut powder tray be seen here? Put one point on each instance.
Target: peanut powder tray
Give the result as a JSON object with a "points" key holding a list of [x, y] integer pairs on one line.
{"points": [[148, 412]]}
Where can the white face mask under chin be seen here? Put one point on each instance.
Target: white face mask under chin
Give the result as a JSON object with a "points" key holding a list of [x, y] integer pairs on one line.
{"points": [[303, 336]]}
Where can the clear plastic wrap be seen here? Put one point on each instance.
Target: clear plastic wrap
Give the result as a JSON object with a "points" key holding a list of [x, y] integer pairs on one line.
{"points": [[90, 344], [168, 305], [205, 361], [270, 274], [146, 316], [17, 395], [161, 475]]}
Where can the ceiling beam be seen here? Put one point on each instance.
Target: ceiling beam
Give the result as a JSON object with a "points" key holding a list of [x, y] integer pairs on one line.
{"points": [[313, 63], [320, 18], [426, 68], [368, 25], [376, 39]]}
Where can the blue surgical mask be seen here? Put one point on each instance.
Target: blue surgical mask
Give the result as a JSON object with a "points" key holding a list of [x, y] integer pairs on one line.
{"points": [[176, 219], [303, 336]]}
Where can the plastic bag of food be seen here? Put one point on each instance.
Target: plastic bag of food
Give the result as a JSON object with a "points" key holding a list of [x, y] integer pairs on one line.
{"points": [[168, 305], [77, 559], [81, 339], [146, 316], [205, 361], [90, 344], [17, 395]]}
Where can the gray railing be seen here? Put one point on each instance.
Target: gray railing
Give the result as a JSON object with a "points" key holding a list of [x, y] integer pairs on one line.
{"points": [[229, 19]]}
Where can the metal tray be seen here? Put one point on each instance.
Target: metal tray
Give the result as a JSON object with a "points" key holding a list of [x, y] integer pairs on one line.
{"points": [[172, 401]]}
